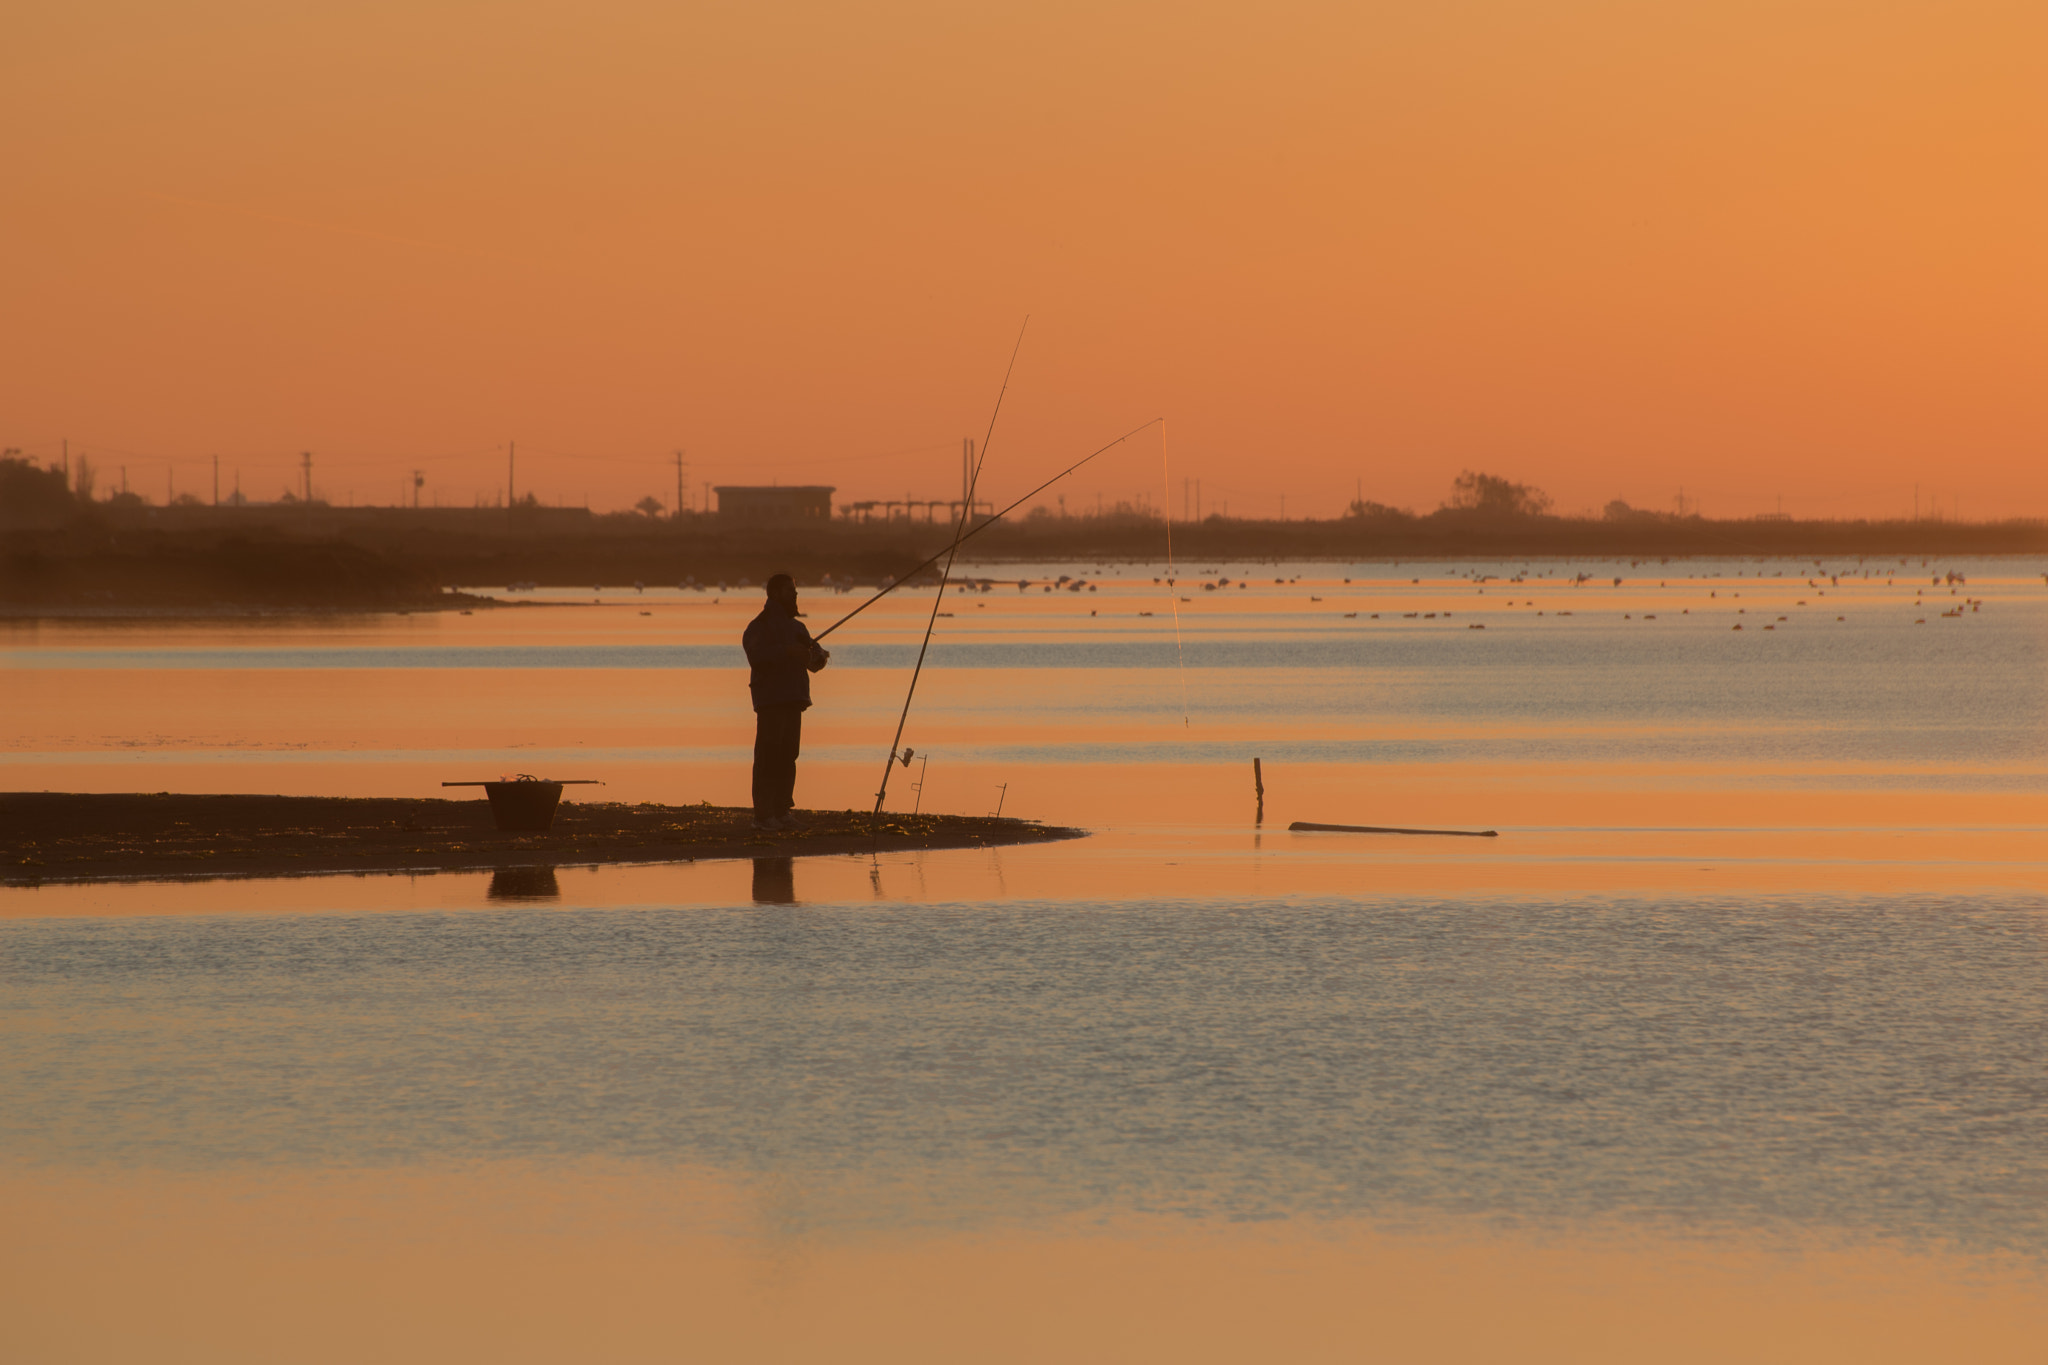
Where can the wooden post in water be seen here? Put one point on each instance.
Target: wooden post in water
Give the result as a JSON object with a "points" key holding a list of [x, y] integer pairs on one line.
{"points": [[1259, 786]]}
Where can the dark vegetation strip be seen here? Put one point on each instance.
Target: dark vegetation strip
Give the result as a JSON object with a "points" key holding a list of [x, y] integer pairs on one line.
{"points": [[379, 559]]}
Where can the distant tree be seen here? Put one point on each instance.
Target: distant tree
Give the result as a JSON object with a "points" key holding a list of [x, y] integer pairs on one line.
{"points": [[1367, 510], [82, 478], [30, 495], [187, 500], [649, 506], [1496, 497]]}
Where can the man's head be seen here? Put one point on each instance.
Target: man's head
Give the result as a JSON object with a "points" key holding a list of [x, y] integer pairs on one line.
{"points": [[782, 590]]}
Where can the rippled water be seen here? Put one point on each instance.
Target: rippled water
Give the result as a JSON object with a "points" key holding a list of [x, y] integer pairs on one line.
{"points": [[1760, 956], [1872, 1066]]}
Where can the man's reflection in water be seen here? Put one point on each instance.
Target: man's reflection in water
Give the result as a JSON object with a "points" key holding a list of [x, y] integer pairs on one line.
{"points": [[775, 881], [524, 884]]}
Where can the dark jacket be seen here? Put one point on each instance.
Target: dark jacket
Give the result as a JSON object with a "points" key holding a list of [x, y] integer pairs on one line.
{"points": [[779, 679]]}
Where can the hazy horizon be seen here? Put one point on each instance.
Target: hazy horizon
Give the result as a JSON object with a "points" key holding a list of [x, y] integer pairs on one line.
{"points": [[1748, 253]]}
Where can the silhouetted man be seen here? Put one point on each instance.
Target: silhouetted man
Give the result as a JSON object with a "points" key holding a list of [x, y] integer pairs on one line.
{"points": [[782, 655]]}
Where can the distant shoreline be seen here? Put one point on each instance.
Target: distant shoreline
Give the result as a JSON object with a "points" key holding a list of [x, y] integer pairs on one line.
{"points": [[52, 838], [228, 562]]}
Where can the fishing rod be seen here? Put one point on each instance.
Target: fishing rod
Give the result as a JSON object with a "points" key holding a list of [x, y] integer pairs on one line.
{"points": [[974, 531], [945, 577]]}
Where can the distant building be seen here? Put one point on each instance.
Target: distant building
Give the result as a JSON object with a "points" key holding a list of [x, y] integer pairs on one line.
{"points": [[775, 506]]}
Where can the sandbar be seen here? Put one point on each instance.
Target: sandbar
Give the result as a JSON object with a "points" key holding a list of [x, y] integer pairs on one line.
{"points": [[80, 837]]}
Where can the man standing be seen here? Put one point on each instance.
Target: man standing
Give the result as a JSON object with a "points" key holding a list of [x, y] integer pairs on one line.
{"points": [[782, 655]]}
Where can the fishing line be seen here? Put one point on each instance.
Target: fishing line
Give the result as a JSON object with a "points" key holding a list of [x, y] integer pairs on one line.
{"points": [[945, 577], [977, 530], [1173, 594]]}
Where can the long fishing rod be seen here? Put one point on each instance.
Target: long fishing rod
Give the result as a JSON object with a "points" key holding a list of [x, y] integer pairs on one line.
{"points": [[983, 526], [946, 575]]}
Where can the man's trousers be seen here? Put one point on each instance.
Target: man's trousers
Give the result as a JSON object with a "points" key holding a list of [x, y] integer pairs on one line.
{"points": [[778, 736]]}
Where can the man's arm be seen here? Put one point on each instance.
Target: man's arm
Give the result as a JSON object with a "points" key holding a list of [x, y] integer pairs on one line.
{"points": [[810, 651]]}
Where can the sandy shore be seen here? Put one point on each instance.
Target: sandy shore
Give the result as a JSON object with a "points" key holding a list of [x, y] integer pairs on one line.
{"points": [[74, 837]]}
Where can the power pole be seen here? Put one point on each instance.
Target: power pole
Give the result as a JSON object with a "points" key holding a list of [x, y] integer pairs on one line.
{"points": [[419, 477], [216, 481], [681, 466], [306, 464], [511, 454]]}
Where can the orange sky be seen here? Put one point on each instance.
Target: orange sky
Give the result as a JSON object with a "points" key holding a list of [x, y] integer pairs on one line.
{"points": [[1754, 249]]}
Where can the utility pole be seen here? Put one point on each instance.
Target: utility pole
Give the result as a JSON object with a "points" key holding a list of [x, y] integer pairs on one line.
{"points": [[1198, 499], [680, 467], [511, 454], [216, 481], [67, 462], [419, 477], [966, 474], [306, 464], [170, 485]]}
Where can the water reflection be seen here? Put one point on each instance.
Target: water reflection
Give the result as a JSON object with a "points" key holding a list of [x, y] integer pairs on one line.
{"points": [[1748, 963], [775, 881], [524, 884], [1761, 1069]]}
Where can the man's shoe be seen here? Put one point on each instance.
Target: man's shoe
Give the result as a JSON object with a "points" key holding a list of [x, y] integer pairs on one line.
{"points": [[790, 820], [767, 823]]}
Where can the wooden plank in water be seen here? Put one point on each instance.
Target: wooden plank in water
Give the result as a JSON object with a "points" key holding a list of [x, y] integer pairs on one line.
{"points": [[1382, 829]]}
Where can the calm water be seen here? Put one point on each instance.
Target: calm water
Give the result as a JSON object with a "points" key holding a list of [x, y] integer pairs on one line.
{"points": [[1870, 1067], [1759, 961]]}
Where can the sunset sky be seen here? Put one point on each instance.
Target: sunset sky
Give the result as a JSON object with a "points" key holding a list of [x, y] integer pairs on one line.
{"points": [[1755, 250]]}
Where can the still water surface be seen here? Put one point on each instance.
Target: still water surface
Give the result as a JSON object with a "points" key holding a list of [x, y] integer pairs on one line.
{"points": [[1757, 970]]}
